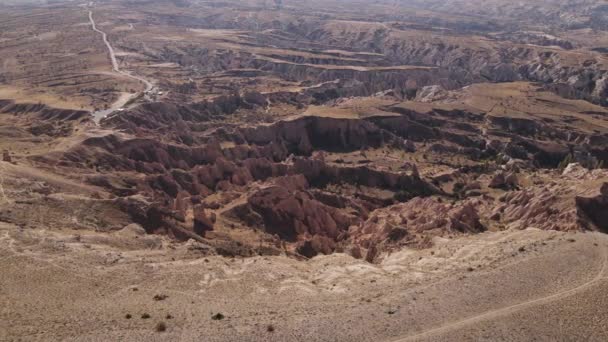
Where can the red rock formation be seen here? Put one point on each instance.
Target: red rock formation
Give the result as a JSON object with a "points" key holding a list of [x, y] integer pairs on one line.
{"points": [[294, 215], [413, 222], [502, 180]]}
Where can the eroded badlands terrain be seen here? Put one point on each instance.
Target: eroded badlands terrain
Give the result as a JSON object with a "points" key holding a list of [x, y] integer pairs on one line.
{"points": [[288, 170]]}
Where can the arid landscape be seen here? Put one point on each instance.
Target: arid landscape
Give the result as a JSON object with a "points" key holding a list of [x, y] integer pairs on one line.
{"points": [[339, 170]]}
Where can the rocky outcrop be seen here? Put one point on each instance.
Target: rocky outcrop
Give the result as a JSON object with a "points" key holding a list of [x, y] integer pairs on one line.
{"points": [[319, 173], [431, 94], [295, 216], [502, 180], [304, 135], [414, 223], [537, 207], [274, 142]]}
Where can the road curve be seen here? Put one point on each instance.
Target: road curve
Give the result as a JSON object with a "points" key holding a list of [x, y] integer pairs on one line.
{"points": [[509, 309], [115, 66], [121, 101]]}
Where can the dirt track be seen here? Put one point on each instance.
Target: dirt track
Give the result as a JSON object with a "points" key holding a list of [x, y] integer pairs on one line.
{"points": [[495, 314], [126, 97], [115, 66]]}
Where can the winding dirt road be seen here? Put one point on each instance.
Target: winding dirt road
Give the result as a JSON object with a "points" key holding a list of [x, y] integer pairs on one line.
{"points": [[105, 40], [115, 66], [122, 100]]}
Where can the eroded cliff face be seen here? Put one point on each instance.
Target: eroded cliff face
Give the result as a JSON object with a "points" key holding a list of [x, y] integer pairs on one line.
{"points": [[467, 60], [322, 184], [400, 52], [270, 177], [383, 174], [316, 134]]}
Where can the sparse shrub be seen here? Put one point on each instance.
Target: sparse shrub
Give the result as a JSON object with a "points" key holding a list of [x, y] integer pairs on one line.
{"points": [[458, 187], [567, 160], [218, 316], [145, 316], [600, 164], [159, 297], [403, 196], [161, 326]]}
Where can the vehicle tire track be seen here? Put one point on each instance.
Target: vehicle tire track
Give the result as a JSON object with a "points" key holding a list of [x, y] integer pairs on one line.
{"points": [[115, 66], [97, 116], [601, 275]]}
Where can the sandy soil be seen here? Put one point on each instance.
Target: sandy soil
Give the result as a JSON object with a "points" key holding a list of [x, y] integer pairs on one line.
{"points": [[520, 285]]}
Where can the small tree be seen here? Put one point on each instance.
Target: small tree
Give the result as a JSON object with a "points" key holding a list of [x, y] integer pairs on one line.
{"points": [[564, 163], [600, 164]]}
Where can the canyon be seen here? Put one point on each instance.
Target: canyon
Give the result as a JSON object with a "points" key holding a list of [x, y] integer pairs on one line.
{"points": [[286, 170]]}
